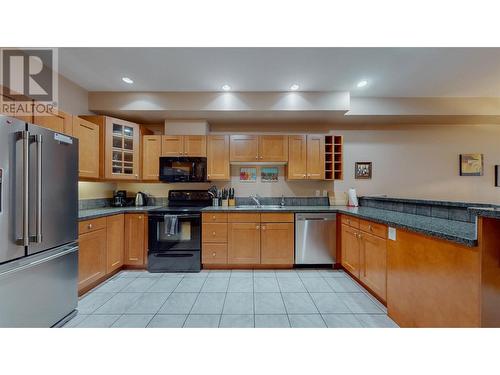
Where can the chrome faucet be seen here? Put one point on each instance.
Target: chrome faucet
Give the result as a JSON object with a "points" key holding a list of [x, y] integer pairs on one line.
{"points": [[282, 204], [256, 199]]}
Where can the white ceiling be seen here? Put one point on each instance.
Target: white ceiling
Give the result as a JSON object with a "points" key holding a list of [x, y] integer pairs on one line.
{"points": [[391, 72]]}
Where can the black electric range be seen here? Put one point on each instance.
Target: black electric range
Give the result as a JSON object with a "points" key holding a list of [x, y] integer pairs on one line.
{"points": [[175, 232]]}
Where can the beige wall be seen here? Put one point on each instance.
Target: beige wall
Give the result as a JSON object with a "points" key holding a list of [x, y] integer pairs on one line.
{"points": [[422, 161], [72, 98], [94, 190]]}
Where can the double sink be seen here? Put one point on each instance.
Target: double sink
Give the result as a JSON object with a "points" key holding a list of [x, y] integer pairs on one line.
{"points": [[260, 207]]}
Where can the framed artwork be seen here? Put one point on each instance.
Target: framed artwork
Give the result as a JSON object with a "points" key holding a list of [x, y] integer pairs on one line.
{"points": [[269, 174], [497, 175], [248, 174], [363, 170], [471, 164]]}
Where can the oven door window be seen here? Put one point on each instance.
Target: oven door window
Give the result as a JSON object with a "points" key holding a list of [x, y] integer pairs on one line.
{"points": [[186, 238]]}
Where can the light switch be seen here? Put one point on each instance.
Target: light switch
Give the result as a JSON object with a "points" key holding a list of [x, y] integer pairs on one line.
{"points": [[391, 233]]}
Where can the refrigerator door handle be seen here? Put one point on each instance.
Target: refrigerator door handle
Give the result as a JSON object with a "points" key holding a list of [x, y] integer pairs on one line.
{"points": [[25, 137], [38, 234]]}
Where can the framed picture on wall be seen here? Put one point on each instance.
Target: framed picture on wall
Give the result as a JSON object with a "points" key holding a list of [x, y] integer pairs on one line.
{"points": [[363, 170], [248, 174], [269, 174], [471, 164]]}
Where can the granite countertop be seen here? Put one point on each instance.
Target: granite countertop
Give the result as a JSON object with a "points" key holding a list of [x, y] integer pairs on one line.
{"points": [[109, 211], [451, 230], [492, 212]]}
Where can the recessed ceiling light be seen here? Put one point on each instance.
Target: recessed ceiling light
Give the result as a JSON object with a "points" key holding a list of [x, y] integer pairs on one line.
{"points": [[362, 83], [294, 87], [226, 87], [127, 80]]}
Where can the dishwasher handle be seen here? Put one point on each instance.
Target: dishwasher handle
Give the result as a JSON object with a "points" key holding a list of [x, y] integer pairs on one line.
{"points": [[315, 219]]}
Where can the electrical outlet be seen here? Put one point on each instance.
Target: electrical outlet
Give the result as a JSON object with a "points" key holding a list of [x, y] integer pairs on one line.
{"points": [[317, 193], [325, 193], [391, 233]]}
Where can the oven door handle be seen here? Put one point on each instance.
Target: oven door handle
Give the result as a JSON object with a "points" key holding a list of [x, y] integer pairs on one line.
{"points": [[182, 216]]}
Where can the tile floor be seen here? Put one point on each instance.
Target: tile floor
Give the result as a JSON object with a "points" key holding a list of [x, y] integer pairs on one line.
{"points": [[311, 298]]}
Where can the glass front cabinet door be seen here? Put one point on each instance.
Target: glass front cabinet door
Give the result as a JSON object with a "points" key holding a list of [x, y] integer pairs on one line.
{"points": [[122, 150]]}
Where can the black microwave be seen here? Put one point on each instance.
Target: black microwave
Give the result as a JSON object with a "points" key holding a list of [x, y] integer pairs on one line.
{"points": [[183, 169]]}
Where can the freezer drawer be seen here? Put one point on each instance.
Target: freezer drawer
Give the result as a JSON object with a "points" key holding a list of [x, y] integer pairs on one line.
{"points": [[40, 290], [315, 238]]}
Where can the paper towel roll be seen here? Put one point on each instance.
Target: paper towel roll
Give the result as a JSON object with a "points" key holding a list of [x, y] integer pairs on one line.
{"points": [[353, 199]]}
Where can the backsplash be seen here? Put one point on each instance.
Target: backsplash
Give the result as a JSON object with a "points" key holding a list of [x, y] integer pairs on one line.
{"points": [[89, 204], [441, 209]]}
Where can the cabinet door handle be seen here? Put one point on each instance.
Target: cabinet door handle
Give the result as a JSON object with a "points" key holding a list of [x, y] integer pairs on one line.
{"points": [[257, 157], [257, 227], [263, 227], [213, 217], [370, 228], [213, 233], [140, 217], [90, 226], [262, 157], [213, 255], [304, 176]]}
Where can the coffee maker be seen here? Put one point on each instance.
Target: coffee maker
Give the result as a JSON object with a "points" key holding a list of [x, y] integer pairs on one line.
{"points": [[120, 198]]}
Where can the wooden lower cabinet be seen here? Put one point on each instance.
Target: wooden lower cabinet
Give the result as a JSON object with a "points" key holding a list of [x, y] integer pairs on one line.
{"points": [[434, 283], [214, 253], [115, 228], [350, 249], [364, 253], [92, 258], [243, 243], [135, 239], [373, 261], [277, 243], [248, 239]]}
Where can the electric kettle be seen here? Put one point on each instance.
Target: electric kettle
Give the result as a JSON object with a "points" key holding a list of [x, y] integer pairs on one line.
{"points": [[140, 199]]}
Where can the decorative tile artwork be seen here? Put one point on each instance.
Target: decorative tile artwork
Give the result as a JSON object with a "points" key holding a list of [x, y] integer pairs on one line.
{"points": [[269, 174], [248, 174]]}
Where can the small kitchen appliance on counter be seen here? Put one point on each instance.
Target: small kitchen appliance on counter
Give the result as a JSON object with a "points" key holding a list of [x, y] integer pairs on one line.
{"points": [[120, 198], [141, 199]]}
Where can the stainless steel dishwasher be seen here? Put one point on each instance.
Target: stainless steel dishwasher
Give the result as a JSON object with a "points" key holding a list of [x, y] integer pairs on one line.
{"points": [[315, 238]]}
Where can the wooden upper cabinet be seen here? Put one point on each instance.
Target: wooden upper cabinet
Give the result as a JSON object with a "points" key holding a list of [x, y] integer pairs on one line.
{"points": [[297, 157], [135, 239], [195, 145], [115, 227], [184, 145], [89, 138], [350, 249], [172, 145], [277, 243], [315, 157], [218, 157], [373, 260], [60, 122], [243, 243], [121, 160], [273, 148], [244, 148], [151, 152]]}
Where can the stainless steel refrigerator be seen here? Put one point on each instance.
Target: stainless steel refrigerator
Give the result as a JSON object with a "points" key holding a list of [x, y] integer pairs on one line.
{"points": [[38, 225]]}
